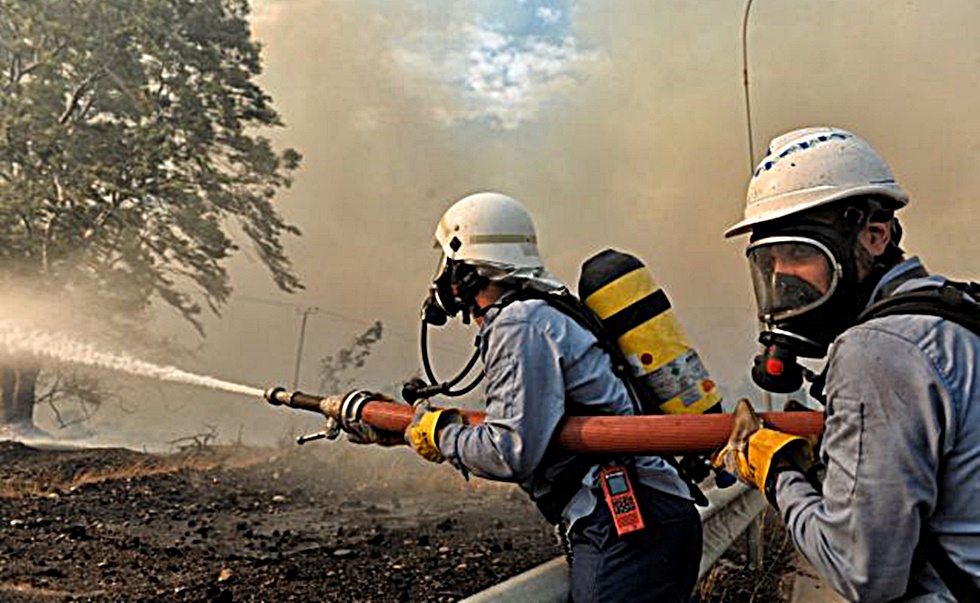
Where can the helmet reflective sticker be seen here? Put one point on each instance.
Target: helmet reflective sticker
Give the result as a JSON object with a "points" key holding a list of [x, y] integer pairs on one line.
{"points": [[769, 162]]}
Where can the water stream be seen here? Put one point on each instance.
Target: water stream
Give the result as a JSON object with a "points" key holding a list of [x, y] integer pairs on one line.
{"points": [[18, 339]]}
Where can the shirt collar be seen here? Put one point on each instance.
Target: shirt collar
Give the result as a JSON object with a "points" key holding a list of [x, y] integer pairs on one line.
{"points": [[495, 309]]}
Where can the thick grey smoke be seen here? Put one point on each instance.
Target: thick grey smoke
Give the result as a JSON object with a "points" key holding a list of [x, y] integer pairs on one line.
{"points": [[642, 147]]}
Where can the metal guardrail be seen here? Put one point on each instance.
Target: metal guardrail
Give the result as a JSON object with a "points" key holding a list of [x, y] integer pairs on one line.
{"points": [[728, 514]]}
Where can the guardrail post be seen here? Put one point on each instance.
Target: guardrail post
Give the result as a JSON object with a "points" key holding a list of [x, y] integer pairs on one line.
{"points": [[755, 542]]}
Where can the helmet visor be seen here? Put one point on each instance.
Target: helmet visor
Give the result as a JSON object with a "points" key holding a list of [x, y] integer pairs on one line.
{"points": [[791, 275]]}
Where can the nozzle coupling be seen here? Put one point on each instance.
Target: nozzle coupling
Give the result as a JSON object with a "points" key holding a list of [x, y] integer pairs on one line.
{"points": [[279, 396], [345, 410]]}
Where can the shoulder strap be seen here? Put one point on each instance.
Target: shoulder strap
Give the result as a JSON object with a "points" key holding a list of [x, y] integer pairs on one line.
{"points": [[946, 301], [570, 305], [956, 579]]}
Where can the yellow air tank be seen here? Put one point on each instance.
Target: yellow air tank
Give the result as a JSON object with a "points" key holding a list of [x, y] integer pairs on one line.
{"points": [[636, 313]]}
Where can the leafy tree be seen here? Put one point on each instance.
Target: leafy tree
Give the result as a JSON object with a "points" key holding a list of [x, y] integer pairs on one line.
{"points": [[131, 154]]}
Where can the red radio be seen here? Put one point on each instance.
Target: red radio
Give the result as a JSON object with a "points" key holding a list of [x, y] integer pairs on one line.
{"points": [[621, 499]]}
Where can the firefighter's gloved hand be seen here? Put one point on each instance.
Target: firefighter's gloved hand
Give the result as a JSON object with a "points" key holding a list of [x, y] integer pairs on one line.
{"points": [[422, 433], [797, 406], [753, 451], [359, 432]]}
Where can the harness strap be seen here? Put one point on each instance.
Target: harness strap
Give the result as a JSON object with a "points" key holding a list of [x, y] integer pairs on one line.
{"points": [[946, 301]]}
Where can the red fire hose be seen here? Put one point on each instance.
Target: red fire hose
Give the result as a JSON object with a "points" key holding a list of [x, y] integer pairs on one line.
{"points": [[653, 434]]}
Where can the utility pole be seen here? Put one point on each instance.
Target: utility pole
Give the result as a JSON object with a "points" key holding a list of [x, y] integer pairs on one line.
{"points": [[304, 313]]}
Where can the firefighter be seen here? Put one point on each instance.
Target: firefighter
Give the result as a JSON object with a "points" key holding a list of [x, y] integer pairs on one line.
{"points": [[897, 516], [541, 365]]}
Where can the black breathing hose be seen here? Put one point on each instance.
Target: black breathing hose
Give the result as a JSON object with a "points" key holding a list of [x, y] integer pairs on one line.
{"points": [[413, 391]]}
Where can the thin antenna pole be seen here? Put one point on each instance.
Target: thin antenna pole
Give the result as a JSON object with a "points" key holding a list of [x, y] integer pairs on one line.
{"points": [[745, 82], [766, 396]]}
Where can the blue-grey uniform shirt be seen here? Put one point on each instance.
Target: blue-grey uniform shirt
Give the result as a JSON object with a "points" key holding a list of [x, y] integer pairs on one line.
{"points": [[540, 364], [901, 443]]}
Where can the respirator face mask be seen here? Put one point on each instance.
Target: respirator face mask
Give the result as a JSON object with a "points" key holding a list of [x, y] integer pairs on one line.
{"points": [[791, 275], [453, 291], [805, 294]]}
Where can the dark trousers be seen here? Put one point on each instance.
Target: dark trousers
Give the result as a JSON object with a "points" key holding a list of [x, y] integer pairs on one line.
{"points": [[659, 563]]}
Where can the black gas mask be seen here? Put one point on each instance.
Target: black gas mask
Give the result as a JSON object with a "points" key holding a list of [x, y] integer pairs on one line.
{"points": [[453, 291], [806, 287]]}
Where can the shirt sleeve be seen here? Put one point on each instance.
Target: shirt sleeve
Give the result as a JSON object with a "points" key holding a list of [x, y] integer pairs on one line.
{"points": [[881, 445], [525, 397]]}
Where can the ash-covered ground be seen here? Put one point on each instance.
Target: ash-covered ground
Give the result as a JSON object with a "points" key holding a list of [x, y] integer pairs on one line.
{"points": [[328, 523], [320, 523]]}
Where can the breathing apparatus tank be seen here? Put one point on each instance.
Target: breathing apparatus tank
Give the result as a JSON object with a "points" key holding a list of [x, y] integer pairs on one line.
{"points": [[636, 313]]}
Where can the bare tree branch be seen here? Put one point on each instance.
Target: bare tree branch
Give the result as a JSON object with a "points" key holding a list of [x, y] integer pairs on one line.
{"points": [[76, 95]]}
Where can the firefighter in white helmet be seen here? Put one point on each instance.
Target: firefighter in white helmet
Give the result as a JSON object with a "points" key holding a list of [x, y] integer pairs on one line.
{"points": [[896, 514], [540, 364]]}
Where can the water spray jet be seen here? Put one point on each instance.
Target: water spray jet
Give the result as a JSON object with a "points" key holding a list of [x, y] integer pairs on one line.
{"points": [[18, 339]]}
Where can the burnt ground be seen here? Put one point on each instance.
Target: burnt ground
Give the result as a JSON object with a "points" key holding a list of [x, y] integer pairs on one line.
{"points": [[326, 523]]}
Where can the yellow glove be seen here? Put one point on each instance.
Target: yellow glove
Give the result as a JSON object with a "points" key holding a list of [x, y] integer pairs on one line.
{"points": [[753, 450], [423, 432]]}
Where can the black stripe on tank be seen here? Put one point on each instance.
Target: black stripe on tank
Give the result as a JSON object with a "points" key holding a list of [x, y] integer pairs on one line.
{"points": [[637, 313], [603, 268]]}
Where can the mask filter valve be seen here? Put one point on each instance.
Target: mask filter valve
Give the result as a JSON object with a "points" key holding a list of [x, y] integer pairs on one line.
{"points": [[777, 368]]}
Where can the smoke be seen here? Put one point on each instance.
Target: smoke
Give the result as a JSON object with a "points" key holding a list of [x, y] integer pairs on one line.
{"points": [[642, 147], [618, 126]]}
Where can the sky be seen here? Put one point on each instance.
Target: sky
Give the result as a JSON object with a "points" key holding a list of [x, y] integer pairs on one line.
{"points": [[617, 123]]}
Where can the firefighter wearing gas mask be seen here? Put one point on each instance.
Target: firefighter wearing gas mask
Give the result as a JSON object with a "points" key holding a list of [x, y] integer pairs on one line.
{"points": [[541, 365], [897, 514]]}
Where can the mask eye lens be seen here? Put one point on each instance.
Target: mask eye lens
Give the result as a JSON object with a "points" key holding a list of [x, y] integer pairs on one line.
{"points": [[803, 262], [796, 253], [790, 276]]}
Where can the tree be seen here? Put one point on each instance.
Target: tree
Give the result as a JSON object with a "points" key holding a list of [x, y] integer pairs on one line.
{"points": [[131, 155], [335, 369]]}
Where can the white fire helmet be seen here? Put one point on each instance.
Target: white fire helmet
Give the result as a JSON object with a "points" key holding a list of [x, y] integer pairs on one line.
{"points": [[810, 167], [495, 233]]}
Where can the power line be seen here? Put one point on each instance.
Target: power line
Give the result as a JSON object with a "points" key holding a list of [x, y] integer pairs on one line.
{"points": [[344, 318]]}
